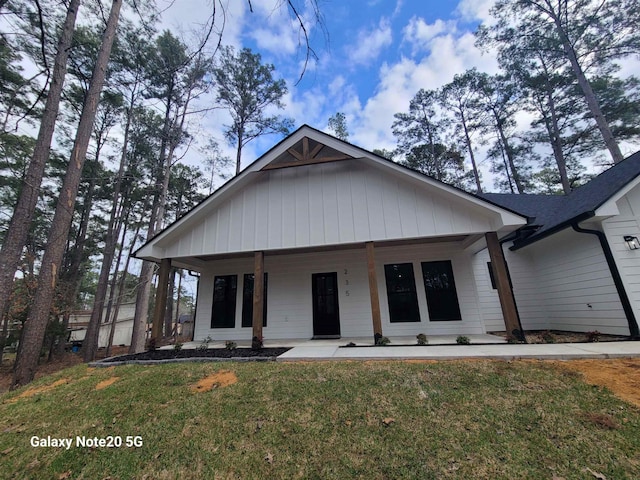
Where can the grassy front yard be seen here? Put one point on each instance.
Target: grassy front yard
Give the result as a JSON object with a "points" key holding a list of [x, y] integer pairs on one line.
{"points": [[467, 419]]}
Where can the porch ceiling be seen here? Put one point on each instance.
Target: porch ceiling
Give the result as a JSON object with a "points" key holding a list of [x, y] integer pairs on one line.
{"points": [[198, 261]]}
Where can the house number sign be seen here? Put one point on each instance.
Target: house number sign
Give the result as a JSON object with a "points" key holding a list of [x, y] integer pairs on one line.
{"points": [[346, 281]]}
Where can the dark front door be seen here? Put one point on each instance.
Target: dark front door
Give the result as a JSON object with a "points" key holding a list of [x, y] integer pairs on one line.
{"points": [[326, 319]]}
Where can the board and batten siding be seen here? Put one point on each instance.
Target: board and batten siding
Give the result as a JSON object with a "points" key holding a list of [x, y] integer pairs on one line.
{"points": [[328, 204], [628, 261], [289, 297]]}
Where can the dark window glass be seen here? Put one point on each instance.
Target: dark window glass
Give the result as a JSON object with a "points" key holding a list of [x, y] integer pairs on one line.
{"points": [[491, 276], [247, 301], [440, 287], [223, 313], [401, 293]]}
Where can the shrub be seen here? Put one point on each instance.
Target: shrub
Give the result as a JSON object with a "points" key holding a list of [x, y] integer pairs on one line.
{"points": [[229, 345], [177, 347], [548, 337], [462, 340], [382, 341], [422, 339], [204, 345], [593, 336]]}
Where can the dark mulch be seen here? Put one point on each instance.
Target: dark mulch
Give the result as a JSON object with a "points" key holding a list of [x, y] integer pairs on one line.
{"points": [[194, 353]]}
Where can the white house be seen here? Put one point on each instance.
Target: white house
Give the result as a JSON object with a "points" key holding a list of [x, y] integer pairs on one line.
{"points": [[338, 241], [79, 321]]}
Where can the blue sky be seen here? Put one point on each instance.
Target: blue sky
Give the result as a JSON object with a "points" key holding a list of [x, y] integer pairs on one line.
{"points": [[376, 56]]}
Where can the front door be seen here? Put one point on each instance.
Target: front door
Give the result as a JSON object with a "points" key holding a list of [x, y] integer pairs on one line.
{"points": [[326, 319]]}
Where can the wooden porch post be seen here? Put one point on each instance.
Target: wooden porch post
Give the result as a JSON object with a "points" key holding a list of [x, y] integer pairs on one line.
{"points": [[258, 298], [373, 292], [161, 300], [505, 292]]}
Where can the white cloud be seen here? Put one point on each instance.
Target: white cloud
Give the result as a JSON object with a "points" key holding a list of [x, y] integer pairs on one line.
{"points": [[279, 32], [420, 33], [475, 10], [399, 82], [369, 43]]}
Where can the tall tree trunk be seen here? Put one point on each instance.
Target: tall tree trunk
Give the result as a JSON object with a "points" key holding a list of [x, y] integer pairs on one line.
{"points": [[178, 299], [467, 138], [167, 150], [121, 284], [553, 130], [90, 344], [238, 153], [143, 294], [168, 314], [117, 284], [34, 328], [509, 154], [73, 273], [16, 235], [585, 86]]}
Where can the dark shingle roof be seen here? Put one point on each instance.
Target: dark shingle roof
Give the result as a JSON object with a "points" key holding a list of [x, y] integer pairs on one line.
{"points": [[551, 213]]}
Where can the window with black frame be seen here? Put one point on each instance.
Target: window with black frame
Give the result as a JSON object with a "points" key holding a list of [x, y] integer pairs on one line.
{"points": [[440, 288], [247, 300], [401, 293], [223, 312]]}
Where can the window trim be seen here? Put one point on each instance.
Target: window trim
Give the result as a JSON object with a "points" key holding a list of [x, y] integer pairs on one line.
{"points": [[233, 305], [412, 293], [457, 314]]}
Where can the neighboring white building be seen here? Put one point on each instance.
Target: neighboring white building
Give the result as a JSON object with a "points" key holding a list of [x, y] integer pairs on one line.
{"points": [[79, 321], [351, 244]]}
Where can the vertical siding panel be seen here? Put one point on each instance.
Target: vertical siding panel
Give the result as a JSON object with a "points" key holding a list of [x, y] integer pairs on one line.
{"points": [[408, 214], [359, 202], [262, 210], [288, 207], [275, 209], [302, 206], [249, 218], [330, 201], [345, 208], [374, 204], [236, 223], [426, 219], [222, 228], [390, 208], [316, 211]]}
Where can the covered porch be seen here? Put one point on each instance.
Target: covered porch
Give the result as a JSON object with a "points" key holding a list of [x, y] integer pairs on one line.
{"points": [[356, 292]]}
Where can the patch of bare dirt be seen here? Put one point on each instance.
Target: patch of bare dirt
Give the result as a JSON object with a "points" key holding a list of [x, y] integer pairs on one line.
{"points": [[621, 375], [106, 383], [36, 390], [223, 378]]}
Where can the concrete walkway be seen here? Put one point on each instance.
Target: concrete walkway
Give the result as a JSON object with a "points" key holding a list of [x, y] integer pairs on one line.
{"points": [[441, 347], [556, 351]]}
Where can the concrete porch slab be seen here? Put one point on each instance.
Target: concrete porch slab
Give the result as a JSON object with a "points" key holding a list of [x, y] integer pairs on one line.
{"points": [[560, 351]]}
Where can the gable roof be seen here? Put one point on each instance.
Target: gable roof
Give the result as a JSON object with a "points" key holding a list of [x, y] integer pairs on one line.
{"points": [[308, 146], [551, 213]]}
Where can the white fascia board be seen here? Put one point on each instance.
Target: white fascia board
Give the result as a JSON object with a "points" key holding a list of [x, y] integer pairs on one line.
{"points": [[610, 207]]}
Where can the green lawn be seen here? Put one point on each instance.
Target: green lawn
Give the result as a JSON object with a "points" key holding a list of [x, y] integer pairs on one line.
{"points": [[340, 420]]}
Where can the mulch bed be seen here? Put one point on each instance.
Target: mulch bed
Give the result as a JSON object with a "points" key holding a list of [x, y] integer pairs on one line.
{"points": [[171, 354]]}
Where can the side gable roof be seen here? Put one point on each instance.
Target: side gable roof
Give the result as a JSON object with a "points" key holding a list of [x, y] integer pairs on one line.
{"points": [[552, 213]]}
